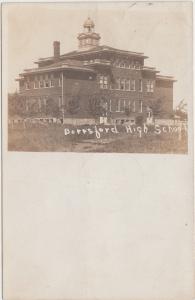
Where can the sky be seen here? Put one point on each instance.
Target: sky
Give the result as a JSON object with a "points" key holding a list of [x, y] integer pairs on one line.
{"points": [[161, 30]]}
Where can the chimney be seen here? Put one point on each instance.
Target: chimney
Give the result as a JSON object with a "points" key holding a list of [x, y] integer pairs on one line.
{"points": [[56, 49]]}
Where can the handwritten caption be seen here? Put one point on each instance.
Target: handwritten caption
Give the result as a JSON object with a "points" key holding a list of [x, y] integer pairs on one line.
{"points": [[139, 131]]}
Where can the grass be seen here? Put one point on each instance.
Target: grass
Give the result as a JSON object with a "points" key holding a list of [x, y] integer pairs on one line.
{"points": [[52, 138]]}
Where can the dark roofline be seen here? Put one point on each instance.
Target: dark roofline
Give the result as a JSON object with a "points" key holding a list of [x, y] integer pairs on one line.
{"points": [[104, 48], [167, 78], [97, 49], [60, 68]]}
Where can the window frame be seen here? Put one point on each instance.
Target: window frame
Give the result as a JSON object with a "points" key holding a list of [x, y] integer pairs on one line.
{"points": [[134, 85]]}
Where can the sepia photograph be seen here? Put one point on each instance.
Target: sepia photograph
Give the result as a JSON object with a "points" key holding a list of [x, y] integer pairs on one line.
{"points": [[98, 77], [97, 150]]}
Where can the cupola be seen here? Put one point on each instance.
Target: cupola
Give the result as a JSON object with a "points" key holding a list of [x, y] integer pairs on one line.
{"points": [[88, 38]]}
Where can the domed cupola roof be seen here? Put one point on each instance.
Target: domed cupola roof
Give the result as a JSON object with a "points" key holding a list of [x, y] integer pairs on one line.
{"points": [[88, 38], [89, 23]]}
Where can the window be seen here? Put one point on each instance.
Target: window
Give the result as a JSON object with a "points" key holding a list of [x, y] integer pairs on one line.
{"points": [[60, 81], [122, 64], [110, 106], [122, 84], [137, 65], [27, 85], [141, 106], [128, 105], [41, 84], [117, 63], [47, 83], [44, 101], [140, 85], [132, 65], [103, 82], [122, 105], [150, 86], [134, 106], [133, 85], [127, 85], [118, 106], [36, 84], [39, 104], [118, 84], [52, 83]]}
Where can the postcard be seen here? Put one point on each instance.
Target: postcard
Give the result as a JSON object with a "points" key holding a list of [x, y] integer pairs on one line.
{"points": [[97, 109]]}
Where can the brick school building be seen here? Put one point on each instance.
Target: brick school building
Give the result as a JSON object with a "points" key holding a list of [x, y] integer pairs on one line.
{"points": [[95, 81]]}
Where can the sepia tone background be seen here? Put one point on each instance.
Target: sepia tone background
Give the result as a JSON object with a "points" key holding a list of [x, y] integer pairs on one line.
{"points": [[104, 226]]}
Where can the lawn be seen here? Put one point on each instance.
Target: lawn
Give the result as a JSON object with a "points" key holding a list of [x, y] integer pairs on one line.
{"points": [[52, 138]]}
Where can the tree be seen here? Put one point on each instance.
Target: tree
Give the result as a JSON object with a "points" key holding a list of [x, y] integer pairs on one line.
{"points": [[16, 105], [52, 108], [98, 106], [156, 107], [73, 105]]}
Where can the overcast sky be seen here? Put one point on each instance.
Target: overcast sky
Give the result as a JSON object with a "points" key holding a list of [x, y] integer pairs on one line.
{"points": [[162, 30]]}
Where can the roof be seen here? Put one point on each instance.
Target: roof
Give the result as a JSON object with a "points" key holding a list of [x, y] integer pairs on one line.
{"points": [[96, 49], [167, 78], [61, 65], [89, 23], [150, 69]]}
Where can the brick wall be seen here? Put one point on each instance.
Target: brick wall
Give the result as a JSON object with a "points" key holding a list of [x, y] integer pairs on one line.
{"points": [[164, 94], [82, 87]]}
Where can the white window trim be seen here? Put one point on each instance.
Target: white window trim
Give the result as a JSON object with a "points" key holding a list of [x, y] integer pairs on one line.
{"points": [[122, 81], [141, 106], [134, 87], [41, 87], [26, 86], [39, 103], [128, 104], [134, 106], [129, 84], [150, 86], [121, 105], [52, 85], [141, 85], [35, 86], [118, 106], [110, 108], [46, 87], [103, 82]]}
